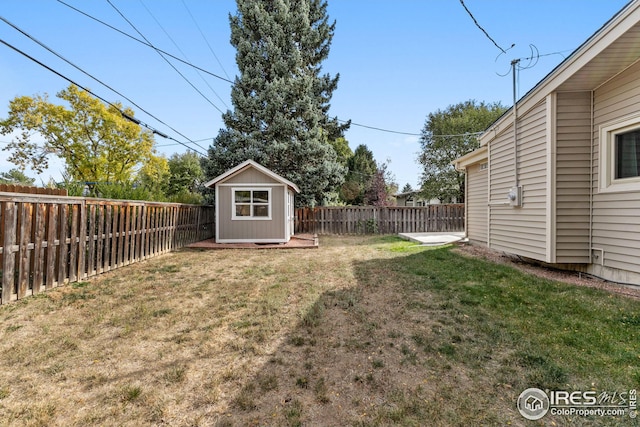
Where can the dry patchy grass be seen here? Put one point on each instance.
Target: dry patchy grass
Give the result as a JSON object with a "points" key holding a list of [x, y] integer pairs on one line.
{"points": [[342, 335]]}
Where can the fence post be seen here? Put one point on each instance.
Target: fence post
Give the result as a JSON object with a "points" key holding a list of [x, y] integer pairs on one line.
{"points": [[8, 258]]}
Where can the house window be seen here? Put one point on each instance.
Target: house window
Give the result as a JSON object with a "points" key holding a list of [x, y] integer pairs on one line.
{"points": [[627, 154], [251, 203], [620, 155]]}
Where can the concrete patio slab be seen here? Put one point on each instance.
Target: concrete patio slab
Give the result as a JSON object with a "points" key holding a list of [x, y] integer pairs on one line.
{"points": [[433, 239]]}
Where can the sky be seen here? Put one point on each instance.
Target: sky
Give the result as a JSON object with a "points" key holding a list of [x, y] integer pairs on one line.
{"points": [[398, 61]]}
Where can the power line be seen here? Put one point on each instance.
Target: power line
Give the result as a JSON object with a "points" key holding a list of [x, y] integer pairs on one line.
{"points": [[126, 116], [202, 69], [412, 134], [151, 115], [30, 37], [148, 44], [165, 59], [144, 43], [482, 29], [205, 39], [181, 51], [380, 129], [198, 140]]}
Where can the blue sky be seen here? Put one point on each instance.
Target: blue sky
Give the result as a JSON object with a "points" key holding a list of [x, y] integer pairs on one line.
{"points": [[398, 60]]}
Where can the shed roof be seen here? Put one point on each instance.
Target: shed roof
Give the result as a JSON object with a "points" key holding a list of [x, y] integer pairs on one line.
{"points": [[250, 164]]}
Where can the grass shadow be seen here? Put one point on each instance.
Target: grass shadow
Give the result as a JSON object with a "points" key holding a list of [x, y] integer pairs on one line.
{"points": [[428, 337]]}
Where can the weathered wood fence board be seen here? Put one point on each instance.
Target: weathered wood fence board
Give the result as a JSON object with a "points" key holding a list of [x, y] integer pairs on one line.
{"points": [[17, 188], [379, 220], [49, 240]]}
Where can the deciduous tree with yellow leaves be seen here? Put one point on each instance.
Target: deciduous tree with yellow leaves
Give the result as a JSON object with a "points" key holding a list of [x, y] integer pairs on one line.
{"points": [[97, 143]]}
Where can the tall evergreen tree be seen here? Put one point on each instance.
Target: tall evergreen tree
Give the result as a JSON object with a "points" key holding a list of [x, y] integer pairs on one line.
{"points": [[281, 99]]}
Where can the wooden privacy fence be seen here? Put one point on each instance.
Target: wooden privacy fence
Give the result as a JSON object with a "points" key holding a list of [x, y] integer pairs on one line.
{"points": [[380, 220], [17, 188], [47, 241]]}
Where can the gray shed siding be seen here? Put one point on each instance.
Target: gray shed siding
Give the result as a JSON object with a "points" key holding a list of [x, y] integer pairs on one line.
{"points": [[257, 230], [477, 190], [520, 230], [616, 216], [573, 163]]}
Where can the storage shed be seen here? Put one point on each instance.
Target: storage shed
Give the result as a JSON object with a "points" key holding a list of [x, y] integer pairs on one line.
{"points": [[253, 205]]}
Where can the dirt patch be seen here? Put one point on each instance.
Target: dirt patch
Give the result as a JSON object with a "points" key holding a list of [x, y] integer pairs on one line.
{"points": [[572, 277]]}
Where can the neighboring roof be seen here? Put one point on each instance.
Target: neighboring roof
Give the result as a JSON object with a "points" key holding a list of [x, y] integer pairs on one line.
{"points": [[471, 158], [250, 164], [609, 51], [408, 193]]}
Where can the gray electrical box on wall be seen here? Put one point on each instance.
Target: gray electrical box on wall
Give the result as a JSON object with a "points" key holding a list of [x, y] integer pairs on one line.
{"points": [[515, 196]]}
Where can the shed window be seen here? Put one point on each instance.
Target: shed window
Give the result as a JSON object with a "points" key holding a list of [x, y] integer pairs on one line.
{"points": [[250, 203]]}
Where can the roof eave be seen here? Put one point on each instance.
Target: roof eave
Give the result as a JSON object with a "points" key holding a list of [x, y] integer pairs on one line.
{"points": [[593, 46], [250, 163], [471, 158]]}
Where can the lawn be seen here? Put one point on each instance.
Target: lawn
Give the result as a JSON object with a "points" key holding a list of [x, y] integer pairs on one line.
{"points": [[364, 331]]}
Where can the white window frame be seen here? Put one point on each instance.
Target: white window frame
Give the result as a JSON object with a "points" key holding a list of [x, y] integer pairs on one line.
{"points": [[251, 217], [608, 132]]}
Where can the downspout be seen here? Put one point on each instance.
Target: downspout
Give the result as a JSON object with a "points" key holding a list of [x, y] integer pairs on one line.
{"points": [[489, 194], [591, 141], [466, 203], [514, 64]]}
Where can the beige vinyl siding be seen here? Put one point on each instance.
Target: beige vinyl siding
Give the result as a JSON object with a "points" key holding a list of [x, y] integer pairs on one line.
{"points": [[273, 229], [573, 161], [520, 230], [616, 216], [477, 191]]}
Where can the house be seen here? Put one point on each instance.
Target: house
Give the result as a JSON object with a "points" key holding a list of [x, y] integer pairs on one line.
{"points": [[410, 198], [253, 204], [557, 178], [413, 198]]}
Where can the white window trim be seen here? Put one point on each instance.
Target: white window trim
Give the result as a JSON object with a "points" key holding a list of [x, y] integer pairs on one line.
{"points": [[234, 217], [608, 132]]}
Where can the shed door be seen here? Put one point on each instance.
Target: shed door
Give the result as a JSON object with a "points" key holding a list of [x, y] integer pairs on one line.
{"points": [[290, 214]]}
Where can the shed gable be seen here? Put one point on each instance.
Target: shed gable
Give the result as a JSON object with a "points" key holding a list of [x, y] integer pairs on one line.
{"points": [[249, 175]]}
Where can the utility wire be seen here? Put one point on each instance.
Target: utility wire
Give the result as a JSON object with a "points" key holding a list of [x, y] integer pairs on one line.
{"points": [[126, 116], [380, 129], [143, 42], [148, 44], [200, 68], [198, 140], [181, 51], [409, 133], [205, 39], [482, 29], [165, 59], [30, 37]]}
